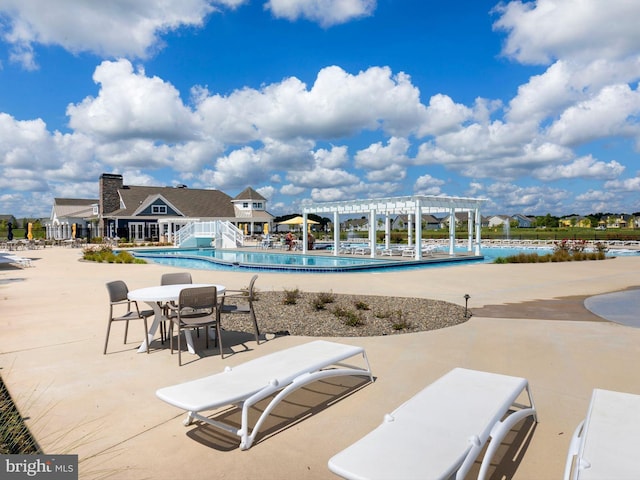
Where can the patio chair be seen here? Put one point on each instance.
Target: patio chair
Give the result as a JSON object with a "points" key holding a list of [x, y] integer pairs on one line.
{"points": [[272, 376], [605, 444], [118, 299], [173, 278], [439, 432], [197, 307], [242, 304]]}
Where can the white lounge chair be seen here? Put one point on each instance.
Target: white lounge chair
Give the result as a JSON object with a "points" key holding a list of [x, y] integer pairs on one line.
{"points": [[439, 432], [15, 260], [248, 383], [605, 444]]}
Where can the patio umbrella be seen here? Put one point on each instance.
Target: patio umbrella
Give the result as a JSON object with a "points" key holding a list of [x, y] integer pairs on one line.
{"points": [[297, 221], [10, 231], [265, 229], [73, 230]]}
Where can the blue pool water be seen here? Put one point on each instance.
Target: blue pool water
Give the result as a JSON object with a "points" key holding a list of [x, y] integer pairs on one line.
{"points": [[211, 259]]}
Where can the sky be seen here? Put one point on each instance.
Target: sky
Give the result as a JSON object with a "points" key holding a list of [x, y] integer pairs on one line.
{"points": [[532, 105]]}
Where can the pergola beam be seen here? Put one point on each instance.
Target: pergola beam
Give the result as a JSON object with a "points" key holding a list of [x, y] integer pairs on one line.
{"points": [[415, 205]]}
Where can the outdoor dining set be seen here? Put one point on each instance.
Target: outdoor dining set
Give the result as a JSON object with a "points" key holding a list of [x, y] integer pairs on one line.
{"points": [[183, 306]]}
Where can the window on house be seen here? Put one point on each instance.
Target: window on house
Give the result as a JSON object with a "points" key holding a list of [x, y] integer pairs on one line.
{"points": [[257, 205], [245, 205], [158, 209]]}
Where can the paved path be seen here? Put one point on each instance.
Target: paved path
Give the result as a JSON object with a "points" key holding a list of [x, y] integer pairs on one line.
{"points": [[103, 407]]}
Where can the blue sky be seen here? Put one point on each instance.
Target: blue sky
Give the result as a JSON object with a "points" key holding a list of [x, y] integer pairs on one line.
{"points": [[531, 105]]}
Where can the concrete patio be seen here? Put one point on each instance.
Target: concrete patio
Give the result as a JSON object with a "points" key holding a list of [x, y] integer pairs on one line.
{"points": [[103, 407]]}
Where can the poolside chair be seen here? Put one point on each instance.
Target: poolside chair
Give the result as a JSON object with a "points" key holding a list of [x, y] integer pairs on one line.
{"points": [[242, 303], [197, 307], [605, 444], [118, 300], [173, 278], [275, 375], [439, 432]]}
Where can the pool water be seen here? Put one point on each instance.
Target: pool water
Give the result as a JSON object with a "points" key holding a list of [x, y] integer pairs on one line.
{"points": [[213, 259]]}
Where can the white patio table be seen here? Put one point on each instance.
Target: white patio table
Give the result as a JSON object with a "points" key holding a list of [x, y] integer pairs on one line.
{"points": [[156, 296]]}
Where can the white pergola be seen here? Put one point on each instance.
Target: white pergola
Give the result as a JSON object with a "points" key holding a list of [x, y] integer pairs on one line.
{"points": [[413, 206]]}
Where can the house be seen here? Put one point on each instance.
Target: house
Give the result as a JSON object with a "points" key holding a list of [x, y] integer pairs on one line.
{"points": [[70, 218], [499, 220], [429, 222], [575, 221], [141, 213], [523, 221]]}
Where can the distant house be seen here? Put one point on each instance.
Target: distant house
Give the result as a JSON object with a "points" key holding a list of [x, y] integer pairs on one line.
{"points": [[575, 221], [523, 221], [499, 220], [141, 213], [429, 222], [355, 225]]}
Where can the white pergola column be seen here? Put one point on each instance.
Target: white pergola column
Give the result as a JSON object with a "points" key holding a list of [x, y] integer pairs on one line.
{"points": [[418, 214], [387, 231], [372, 232], [478, 230], [452, 230], [336, 233], [470, 231], [305, 226], [409, 229]]}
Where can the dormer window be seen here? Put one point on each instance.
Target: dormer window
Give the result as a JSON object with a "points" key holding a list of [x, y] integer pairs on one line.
{"points": [[159, 209], [257, 205]]}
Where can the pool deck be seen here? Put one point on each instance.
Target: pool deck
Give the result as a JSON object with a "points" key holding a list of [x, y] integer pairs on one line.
{"points": [[103, 407]]}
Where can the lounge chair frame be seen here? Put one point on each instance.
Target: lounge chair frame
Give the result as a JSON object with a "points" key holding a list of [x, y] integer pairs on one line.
{"points": [[440, 432], [249, 383], [605, 443]]}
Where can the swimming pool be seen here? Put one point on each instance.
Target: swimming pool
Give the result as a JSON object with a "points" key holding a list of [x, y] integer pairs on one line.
{"points": [[215, 259]]}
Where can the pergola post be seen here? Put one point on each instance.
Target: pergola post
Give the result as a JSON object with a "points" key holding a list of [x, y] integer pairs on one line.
{"points": [[478, 230], [418, 230], [469, 230], [452, 230], [387, 231], [372, 232], [336, 232]]}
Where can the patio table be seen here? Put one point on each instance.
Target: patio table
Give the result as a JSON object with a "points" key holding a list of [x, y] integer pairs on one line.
{"points": [[156, 296]]}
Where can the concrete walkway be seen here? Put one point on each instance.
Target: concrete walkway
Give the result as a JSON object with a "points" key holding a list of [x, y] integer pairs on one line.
{"points": [[103, 407]]}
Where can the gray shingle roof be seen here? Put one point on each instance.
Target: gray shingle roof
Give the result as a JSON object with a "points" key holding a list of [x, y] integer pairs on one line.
{"points": [[193, 203], [249, 194]]}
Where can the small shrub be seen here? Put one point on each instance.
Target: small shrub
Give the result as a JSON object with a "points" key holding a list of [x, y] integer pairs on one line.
{"points": [[291, 296], [326, 297], [350, 318], [399, 322], [360, 305]]}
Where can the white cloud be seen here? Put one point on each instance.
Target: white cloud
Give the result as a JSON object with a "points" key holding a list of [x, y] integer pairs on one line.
{"points": [[334, 158], [394, 172], [130, 104], [428, 185], [324, 12], [128, 28], [584, 167], [604, 115], [443, 115], [544, 30], [377, 156], [292, 190], [626, 185]]}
